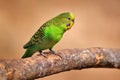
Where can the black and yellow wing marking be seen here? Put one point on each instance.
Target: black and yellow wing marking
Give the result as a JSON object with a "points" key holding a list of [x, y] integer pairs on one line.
{"points": [[36, 38]]}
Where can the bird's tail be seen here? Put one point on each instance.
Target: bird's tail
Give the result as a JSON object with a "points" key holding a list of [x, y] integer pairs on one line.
{"points": [[28, 53]]}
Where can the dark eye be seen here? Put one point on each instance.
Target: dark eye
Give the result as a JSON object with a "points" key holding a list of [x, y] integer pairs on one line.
{"points": [[68, 18]]}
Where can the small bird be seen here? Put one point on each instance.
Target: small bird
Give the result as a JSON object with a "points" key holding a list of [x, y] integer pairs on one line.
{"points": [[49, 34]]}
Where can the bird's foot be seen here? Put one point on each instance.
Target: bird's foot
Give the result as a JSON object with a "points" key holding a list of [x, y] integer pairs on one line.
{"points": [[53, 52], [41, 53]]}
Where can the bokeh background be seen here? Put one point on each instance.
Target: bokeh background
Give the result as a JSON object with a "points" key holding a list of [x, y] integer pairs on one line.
{"points": [[97, 24]]}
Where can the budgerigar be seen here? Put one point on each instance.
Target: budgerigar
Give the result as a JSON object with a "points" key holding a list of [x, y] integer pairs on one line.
{"points": [[49, 34]]}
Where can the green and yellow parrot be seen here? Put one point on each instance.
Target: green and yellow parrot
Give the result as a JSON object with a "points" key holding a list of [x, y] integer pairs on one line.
{"points": [[49, 34]]}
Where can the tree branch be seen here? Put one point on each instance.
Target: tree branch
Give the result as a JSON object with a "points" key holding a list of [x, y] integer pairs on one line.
{"points": [[68, 59]]}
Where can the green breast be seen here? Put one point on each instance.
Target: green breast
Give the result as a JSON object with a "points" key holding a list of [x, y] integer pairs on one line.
{"points": [[52, 35]]}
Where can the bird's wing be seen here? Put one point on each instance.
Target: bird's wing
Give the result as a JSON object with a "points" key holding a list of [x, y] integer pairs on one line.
{"points": [[36, 38]]}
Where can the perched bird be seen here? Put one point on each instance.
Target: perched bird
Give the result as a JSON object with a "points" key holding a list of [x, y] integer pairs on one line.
{"points": [[49, 34]]}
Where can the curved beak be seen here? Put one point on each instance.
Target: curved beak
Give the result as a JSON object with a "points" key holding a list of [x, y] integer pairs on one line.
{"points": [[70, 24], [73, 20]]}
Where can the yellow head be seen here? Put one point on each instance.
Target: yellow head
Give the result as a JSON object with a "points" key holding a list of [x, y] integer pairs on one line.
{"points": [[72, 19], [66, 19]]}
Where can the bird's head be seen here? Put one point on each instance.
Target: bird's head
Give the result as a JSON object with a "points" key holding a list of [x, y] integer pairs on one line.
{"points": [[66, 19]]}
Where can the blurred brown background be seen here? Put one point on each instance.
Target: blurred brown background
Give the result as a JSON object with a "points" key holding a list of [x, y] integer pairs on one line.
{"points": [[97, 24]]}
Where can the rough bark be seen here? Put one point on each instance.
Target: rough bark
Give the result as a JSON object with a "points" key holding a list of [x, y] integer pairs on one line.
{"points": [[67, 59]]}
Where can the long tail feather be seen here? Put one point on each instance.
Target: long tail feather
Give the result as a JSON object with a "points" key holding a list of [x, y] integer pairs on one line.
{"points": [[28, 53]]}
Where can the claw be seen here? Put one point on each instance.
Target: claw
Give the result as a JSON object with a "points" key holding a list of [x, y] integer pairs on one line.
{"points": [[53, 52], [41, 53]]}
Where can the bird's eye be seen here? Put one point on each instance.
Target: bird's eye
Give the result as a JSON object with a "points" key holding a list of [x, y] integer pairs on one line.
{"points": [[68, 18]]}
